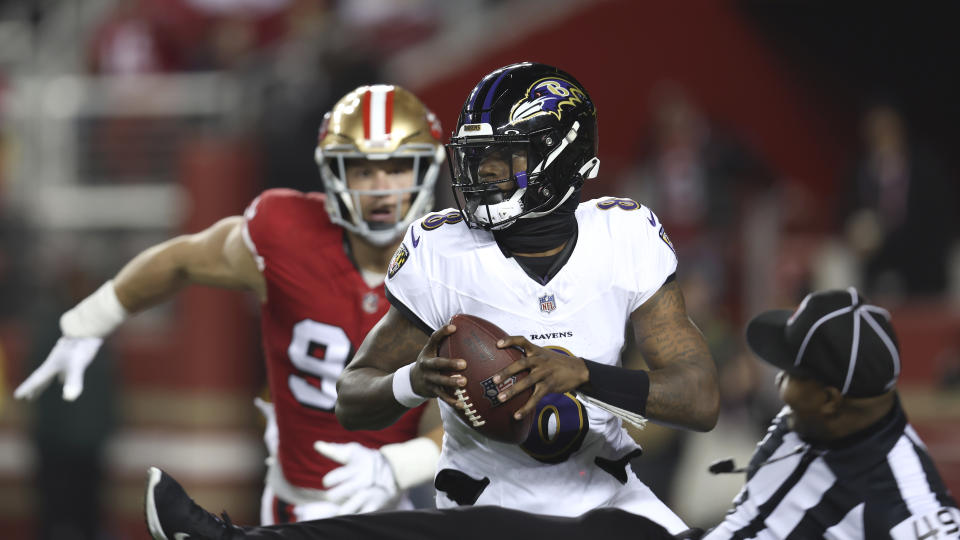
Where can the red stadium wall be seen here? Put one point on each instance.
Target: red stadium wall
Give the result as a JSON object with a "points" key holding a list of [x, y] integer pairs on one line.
{"points": [[213, 341]]}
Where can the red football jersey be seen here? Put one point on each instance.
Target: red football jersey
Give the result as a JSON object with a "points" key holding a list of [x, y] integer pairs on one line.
{"points": [[318, 311]]}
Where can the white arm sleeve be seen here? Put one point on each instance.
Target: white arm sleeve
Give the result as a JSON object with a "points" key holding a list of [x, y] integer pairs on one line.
{"points": [[95, 316]]}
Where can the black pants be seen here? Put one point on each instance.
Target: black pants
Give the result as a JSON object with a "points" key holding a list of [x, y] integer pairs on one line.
{"points": [[68, 486], [472, 523]]}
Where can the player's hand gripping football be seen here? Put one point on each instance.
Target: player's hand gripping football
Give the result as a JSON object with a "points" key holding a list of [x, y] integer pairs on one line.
{"points": [[68, 360], [550, 372], [364, 483], [435, 376]]}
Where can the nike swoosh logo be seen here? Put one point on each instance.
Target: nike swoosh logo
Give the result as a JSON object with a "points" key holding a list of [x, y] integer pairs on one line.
{"points": [[652, 221], [181, 536], [413, 238]]}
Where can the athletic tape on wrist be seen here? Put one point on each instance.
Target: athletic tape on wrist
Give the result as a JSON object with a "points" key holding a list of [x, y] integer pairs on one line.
{"points": [[623, 388], [413, 462], [403, 390], [96, 315]]}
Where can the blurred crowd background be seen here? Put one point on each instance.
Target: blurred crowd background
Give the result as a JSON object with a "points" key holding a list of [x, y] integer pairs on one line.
{"points": [[786, 146]]}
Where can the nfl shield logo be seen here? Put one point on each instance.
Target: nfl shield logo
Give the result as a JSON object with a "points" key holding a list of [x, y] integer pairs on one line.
{"points": [[547, 303]]}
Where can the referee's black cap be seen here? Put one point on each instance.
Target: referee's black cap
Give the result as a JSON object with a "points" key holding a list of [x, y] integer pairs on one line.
{"points": [[835, 337]]}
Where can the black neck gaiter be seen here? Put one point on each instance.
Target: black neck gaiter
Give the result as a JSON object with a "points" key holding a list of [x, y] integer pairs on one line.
{"points": [[540, 234]]}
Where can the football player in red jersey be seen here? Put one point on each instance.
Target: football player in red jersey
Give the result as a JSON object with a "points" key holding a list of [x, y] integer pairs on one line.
{"points": [[317, 264]]}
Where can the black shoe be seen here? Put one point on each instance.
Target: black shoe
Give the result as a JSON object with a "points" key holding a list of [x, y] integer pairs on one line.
{"points": [[172, 515]]}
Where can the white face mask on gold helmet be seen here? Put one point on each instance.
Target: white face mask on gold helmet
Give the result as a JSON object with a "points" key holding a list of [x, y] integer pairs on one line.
{"points": [[377, 123]]}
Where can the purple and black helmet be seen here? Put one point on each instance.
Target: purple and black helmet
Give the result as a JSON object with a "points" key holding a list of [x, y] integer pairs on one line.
{"points": [[524, 143]]}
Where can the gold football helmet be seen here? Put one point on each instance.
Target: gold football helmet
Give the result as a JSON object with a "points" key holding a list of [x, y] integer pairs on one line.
{"points": [[378, 122]]}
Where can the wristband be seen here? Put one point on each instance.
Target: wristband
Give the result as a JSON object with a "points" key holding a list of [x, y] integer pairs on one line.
{"points": [[96, 315], [403, 390], [414, 462], [623, 388]]}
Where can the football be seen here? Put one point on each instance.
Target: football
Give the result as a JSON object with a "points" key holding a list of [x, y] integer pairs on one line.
{"points": [[476, 342]]}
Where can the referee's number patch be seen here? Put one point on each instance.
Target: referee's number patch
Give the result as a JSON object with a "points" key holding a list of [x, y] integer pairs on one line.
{"points": [[941, 523]]}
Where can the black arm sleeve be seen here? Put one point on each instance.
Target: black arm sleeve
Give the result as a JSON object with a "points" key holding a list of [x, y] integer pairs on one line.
{"points": [[623, 388]]}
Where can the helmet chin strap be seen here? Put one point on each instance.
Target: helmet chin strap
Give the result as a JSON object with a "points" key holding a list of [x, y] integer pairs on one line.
{"points": [[590, 169], [587, 172], [514, 205], [502, 210], [570, 191]]}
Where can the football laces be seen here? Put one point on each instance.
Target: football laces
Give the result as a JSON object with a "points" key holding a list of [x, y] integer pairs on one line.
{"points": [[468, 410]]}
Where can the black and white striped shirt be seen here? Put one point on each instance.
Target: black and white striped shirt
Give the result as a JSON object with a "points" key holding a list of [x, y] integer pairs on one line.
{"points": [[877, 484]]}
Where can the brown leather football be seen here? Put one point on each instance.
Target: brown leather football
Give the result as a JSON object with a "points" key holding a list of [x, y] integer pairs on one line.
{"points": [[476, 342]]}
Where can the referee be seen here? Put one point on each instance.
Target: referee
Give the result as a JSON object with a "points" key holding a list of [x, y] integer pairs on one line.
{"points": [[840, 461]]}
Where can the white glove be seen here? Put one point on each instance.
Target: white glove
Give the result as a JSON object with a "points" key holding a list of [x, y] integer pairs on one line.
{"points": [[68, 360], [364, 483], [83, 327]]}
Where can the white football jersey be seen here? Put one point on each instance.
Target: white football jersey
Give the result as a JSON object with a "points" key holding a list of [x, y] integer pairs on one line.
{"points": [[621, 258]]}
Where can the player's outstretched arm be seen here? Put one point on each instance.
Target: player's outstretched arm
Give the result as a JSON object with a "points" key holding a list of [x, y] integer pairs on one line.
{"points": [[216, 256], [372, 393], [683, 377]]}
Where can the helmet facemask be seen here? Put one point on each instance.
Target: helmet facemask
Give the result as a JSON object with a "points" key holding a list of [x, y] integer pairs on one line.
{"points": [[345, 204], [490, 181]]}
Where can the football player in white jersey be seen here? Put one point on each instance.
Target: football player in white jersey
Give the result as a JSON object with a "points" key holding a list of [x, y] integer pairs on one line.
{"points": [[564, 278]]}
